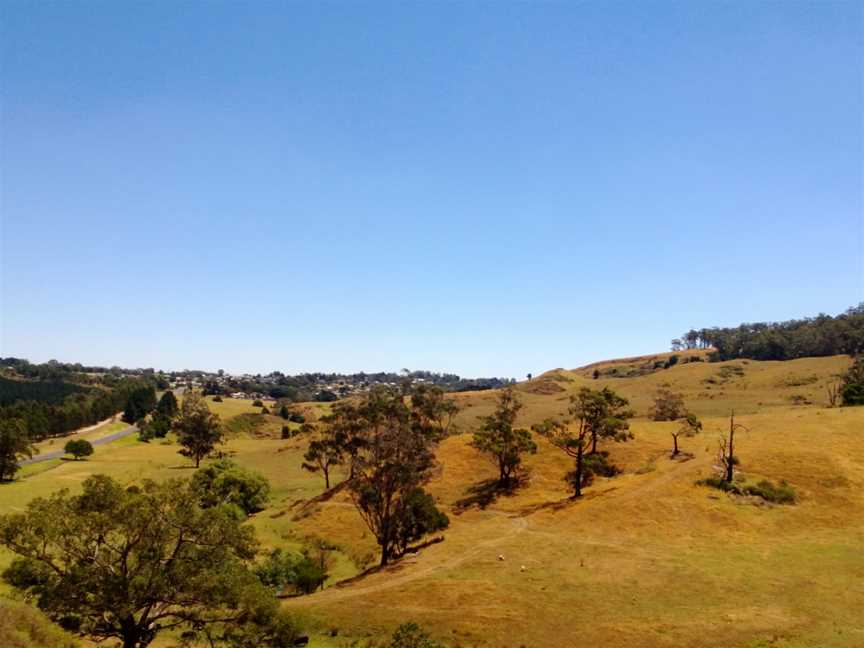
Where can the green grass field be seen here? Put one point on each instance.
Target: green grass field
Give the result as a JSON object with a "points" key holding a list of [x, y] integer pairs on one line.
{"points": [[647, 558]]}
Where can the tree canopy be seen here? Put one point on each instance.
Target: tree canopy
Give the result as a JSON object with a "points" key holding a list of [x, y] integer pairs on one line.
{"points": [[822, 335], [394, 433], [15, 443], [500, 440], [198, 429], [128, 563]]}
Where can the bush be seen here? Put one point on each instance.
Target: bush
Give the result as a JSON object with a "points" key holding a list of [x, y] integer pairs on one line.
{"points": [[781, 493], [22, 626], [599, 464], [224, 482], [282, 569], [286, 432], [156, 428], [668, 405], [720, 484], [297, 417], [410, 635], [853, 394], [79, 448], [217, 399], [257, 403]]}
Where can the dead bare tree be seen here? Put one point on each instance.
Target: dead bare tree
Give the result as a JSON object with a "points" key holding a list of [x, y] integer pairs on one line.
{"points": [[834, 389], [726, 451]]}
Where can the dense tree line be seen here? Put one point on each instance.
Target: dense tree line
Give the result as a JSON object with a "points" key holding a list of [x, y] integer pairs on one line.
{"points": [[49, 391], [822, 335], [74, 372], [47, 418]]}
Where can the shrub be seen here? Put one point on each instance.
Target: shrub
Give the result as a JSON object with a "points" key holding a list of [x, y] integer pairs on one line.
{"points": [[224, 482], [217, 399], [257, 403], [668, 405], [781, 493], [297, 417], [720, 484], [22, 626], [281, 570], [410, 635], [156, 428], [599, 464], [79, 448], [286, 432], [853, 394]]}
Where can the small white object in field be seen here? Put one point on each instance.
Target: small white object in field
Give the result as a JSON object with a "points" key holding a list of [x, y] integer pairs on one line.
{"points": [[500, 556], [523, 568]]}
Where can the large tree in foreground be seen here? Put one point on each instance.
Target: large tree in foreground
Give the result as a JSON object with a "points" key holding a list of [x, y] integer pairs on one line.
{"points": [[501, 441], [198, 429], [128, 563], [396, 432]]}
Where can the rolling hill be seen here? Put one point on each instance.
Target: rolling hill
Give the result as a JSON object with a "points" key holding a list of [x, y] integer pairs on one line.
{"points": [[647, 558]]}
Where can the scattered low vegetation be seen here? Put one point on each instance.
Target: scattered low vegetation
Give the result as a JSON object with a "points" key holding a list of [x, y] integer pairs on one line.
{"points": [[781, 493]]}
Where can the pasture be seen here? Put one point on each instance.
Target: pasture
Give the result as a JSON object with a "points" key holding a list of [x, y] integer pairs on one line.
{"points": [[647, 558]]}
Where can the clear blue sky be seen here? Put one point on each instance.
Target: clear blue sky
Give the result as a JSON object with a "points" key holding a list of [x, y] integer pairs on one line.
{"points": [[486, 188]]}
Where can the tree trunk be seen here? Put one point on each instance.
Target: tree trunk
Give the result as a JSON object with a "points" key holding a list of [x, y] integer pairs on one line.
{"points": [[326, 472], [578, 486], [675, 444], [197, 460], [385, 554], [131, 633], [593, 444], [730, 459]]}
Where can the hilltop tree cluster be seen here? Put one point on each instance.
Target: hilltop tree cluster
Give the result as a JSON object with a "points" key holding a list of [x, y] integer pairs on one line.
{"points": [[822, 335]]}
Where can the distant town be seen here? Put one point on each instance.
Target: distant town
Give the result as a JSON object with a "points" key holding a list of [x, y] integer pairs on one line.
{"points": [[273, 386]]}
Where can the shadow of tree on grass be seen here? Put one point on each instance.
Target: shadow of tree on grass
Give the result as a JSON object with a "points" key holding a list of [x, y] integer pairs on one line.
{"points": [[487, 492]]}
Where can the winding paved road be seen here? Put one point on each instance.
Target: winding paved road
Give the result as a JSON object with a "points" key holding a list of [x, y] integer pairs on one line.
{"points": [[56, 454]]}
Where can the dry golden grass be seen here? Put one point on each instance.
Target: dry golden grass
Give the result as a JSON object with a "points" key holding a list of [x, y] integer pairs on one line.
{"points": [[645, 559]]}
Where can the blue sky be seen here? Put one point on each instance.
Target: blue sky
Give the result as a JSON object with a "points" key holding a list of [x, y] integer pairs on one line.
{"points": [[486, 188]]}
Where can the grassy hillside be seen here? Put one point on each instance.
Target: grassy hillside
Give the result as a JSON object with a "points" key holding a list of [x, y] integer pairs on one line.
{"points": [[645, 559]]}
